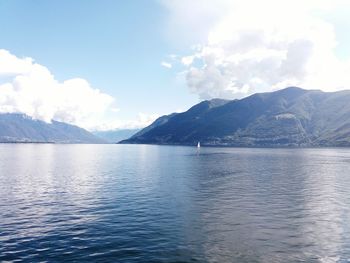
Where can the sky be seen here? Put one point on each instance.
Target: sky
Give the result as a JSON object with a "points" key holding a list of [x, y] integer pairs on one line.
{"points": [[105, 64]]}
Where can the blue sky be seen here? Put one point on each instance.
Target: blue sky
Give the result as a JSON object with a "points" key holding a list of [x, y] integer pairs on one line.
{"points": [[215, 49], [116, 45]]}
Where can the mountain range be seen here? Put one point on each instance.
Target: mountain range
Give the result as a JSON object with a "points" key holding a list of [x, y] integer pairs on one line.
{"points": [[20, 128], [291, 117]]}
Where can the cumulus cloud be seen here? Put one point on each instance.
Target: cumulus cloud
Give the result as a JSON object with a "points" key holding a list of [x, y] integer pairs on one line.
{"points": [[255, 46], [30, 88]]}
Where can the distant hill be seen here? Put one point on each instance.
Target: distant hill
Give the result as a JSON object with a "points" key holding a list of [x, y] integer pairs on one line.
{"points": [[114, 136], [288, 117], [21, 128]]}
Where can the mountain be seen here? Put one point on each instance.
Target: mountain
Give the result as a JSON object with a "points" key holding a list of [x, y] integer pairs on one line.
{"points": [[288, 117], [160, 121], [16, 127], [114, 136]]}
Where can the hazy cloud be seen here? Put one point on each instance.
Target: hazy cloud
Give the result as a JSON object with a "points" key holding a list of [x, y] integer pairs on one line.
{"points": [[142, 120], [166, 64]]}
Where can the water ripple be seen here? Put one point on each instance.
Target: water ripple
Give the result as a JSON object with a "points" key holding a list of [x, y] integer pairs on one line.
{"points": [[120, 203]]}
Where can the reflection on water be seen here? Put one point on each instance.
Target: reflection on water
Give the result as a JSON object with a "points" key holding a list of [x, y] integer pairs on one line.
{"points": [[137, 203]]}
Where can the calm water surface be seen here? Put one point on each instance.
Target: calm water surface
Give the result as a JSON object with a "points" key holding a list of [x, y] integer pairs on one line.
{"points": [[135, 203]]}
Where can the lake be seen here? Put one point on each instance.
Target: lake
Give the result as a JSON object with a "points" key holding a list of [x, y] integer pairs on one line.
{"points": [[139, 203]]}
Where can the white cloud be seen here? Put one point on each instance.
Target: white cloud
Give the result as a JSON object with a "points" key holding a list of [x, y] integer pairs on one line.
{"points": [[30, 88], [115, 109], [187, 60], [255, 46], [166, 64], [10, 65]]}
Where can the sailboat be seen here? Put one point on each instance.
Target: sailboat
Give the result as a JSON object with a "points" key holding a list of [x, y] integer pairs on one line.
{"points": [[199, 145]]}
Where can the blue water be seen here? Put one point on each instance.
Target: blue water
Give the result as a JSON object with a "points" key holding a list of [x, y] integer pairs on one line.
{"points": [[136, 203]]}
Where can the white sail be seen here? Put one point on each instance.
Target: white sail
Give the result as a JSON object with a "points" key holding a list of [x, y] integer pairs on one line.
{"points": [[199, 145]]}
